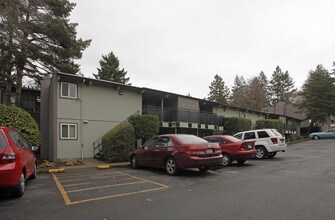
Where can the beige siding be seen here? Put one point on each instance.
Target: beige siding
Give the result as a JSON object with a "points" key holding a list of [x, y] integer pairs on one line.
{"points": [[190, 104], [96, 110]]}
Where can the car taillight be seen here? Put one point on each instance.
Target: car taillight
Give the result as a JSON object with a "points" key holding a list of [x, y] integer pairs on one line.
{"points": [[218, 151], [8, 158], [274, 140]]}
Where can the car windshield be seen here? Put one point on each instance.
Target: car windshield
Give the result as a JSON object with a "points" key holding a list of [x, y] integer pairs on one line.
{"points": [[277, 133], [189, 139], [232, 139]]}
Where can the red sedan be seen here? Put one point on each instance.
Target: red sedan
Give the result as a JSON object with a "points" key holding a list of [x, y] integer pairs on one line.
{"points": [[17, 161], [233, 148], [177, 151]]}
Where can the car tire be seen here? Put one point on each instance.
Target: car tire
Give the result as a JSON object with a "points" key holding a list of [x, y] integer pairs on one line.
{"points": [[241, 161], [226, 160], [133, 162], [34, 174], [261, 152], [315, 137], [203, 169], [272, 154], [20, 187], [171, 166]]}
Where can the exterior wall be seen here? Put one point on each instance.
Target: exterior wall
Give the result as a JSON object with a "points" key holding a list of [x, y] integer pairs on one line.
{"points": [[96, 110], [191, 104], [228, 112]]}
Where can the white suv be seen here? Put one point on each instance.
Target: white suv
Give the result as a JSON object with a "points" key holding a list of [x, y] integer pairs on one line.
{"points": [[267, 141]]}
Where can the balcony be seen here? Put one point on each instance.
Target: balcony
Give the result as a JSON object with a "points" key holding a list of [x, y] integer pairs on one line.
{"points": [[184, 115]]}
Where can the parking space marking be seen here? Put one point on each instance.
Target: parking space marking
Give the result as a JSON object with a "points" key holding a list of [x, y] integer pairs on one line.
{"points": [[76, 187]]}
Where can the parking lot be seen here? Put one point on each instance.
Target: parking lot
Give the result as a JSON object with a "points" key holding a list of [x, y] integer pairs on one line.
{"points": [[95, 185], [297, 184]]}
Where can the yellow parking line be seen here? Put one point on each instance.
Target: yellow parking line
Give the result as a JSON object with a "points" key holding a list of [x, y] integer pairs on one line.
{"points": [[89, 175], [103, 177], [68, 201], [78, 184], [100, 187], [118, 195], [145, 180], [61, 190]]}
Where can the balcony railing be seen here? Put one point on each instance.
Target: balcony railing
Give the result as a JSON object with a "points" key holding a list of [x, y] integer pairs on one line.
{"points": [[184, 115]]}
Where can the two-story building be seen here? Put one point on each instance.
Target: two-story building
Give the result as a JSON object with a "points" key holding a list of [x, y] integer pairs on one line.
{"points": [[77, 111]]}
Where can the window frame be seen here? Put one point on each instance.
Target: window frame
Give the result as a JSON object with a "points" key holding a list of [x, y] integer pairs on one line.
{"points": [[69, 90], [68, 131]]}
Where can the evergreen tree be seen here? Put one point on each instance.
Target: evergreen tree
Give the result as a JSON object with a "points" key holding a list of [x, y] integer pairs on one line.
{"points": [[238, 91], [109, 70], [281, 86], [36, 39], [318, 95], [265, 84], [218, 92], [256, 95]]}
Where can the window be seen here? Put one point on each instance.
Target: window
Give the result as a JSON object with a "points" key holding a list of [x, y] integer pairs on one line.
{"points": [[68, 131], [3, 142], [19, 140], [151, 143], [164, 141], [239, 136], [263, 134], [249, 135], [68, 90]]}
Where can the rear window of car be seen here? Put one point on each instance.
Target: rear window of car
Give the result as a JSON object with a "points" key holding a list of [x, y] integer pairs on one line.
{"points": [[232, 139], [189, 139], [263, 134], [275, 132], [3, 142]]}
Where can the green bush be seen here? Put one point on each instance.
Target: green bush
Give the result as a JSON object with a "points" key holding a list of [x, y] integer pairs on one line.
{"points": [[118, 143], [22, 121], [145, 126], [234, 125], [270, 123]]}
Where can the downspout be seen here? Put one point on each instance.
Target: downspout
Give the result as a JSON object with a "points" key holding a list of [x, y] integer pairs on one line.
{"points": [[81, 120]]}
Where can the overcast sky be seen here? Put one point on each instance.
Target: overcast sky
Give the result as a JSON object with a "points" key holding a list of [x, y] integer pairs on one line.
{"points": [[179, 45]]}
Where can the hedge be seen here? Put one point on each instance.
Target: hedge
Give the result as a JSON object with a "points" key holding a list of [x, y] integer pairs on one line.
{"points": [[145, 126], [22, 121], [270, 123], [234, 124], [118, 143]]}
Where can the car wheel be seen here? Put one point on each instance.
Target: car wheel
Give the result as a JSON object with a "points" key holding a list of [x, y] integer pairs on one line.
{"points": [[261, 152], [226, 160], [272, 154], [133, 162], [203, 169], [20, 187], [34, 175], [315, 137], [241, 161], [171, 166]]}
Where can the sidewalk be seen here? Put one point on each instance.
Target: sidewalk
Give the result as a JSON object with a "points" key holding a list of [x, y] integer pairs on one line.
{"points": [[86, 163]]}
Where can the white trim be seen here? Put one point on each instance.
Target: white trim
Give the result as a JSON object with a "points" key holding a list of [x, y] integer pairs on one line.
{"points": [[69, 90], [68, 130]]}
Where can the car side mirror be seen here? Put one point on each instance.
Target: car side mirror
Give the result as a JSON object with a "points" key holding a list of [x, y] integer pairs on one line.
{"points": [[34, 148]]}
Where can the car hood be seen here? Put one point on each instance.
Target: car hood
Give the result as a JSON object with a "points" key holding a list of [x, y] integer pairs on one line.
{"points": [[316, 133]]}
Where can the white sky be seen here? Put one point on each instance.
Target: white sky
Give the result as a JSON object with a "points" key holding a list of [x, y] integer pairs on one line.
{"points": [[179, 45]]}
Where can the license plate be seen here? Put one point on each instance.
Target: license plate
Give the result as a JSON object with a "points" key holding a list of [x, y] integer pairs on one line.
{"points": [[209, 151]]}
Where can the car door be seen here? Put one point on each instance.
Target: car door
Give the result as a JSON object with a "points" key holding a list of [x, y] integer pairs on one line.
{"points": [[144, 156], [161, 151], [27, 157]]}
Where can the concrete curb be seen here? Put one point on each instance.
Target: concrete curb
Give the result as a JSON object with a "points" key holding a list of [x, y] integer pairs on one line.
{"points": [[64, 169]]}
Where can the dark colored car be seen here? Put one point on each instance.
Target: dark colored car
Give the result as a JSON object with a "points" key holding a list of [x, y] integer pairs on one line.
{"points": [[233, 148], [177, 151], [17, 161]]}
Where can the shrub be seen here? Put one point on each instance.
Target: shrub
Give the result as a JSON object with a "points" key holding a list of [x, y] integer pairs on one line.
{"points": [[22, 121], [145, 126], [234, 125], [118, 143], [270, 123]]}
